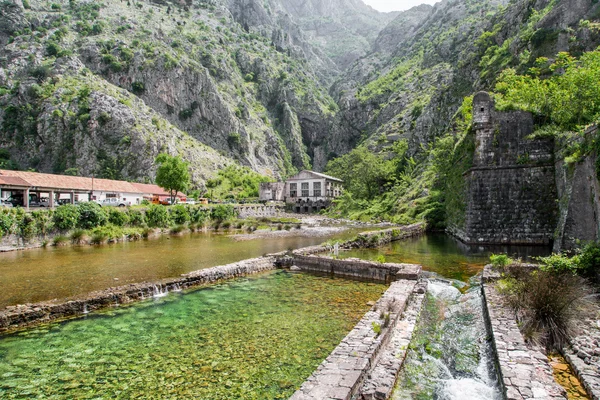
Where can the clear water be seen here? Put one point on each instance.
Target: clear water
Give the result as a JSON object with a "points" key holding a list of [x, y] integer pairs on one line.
{"points": [[449, 357], [59, 272], [444, 254], [255, 338]]}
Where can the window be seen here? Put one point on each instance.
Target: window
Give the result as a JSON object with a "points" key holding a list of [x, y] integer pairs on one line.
{"points": [[111, 195], [305, 189], [317, 189], [293, 189]]}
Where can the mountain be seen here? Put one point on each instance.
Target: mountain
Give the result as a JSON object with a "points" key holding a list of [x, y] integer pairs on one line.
{"points": [[273, 85]]}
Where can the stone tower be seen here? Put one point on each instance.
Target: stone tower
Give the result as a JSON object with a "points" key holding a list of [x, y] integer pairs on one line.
{"points": [[511, 191]]}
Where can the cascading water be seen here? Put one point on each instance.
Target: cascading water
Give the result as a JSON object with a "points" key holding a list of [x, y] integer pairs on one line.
{"points": [[450, 357], [159, 291]]}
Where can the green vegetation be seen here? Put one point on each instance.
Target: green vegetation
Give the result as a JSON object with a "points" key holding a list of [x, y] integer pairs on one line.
{"points": [[172, 174], [235, 182], [546, 301], [500, 261]]}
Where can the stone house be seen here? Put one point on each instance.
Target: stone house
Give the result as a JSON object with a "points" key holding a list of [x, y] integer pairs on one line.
{"points": [[307, 191]]}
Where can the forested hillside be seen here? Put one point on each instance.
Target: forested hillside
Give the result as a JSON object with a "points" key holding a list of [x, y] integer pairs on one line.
{"points": [[275, 86]]}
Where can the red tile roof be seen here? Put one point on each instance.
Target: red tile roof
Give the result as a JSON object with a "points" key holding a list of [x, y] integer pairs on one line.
{"points": [[63, 182], [13, 181]]}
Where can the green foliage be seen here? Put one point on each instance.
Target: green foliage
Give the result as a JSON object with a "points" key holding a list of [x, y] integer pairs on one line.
{"points": [[235, 181], [364, 173], [91, 215], [179, 214], [376, 328], [545, 301], [172, 174], [222, 212], [560, 263], [589, 260], [157, 216], [66, 217], [380, 259], [566, 98], [499, 261], [7, 222], [26, 225], [138, 87], [117, 217], [136, 217]]}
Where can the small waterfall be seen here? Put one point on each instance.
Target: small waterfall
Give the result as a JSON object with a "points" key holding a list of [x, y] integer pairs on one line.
{"points": [[85, 309], [159, 291], [452, 360], [176, 288]]}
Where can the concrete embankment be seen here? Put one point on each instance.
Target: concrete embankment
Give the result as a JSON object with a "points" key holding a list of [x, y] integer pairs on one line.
{"points": [[364, 364], [524, 372]]}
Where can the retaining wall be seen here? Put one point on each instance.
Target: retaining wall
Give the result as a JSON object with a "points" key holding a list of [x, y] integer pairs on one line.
{"points": [[524, 373], [356, 268], [343, 372], [29, 314]]}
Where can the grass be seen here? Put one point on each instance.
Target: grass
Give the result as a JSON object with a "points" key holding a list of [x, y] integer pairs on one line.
{"points": [[77, 236], [60, 240]]}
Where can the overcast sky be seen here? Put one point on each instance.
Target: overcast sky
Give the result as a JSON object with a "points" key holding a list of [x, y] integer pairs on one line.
{"points": [[396, 5]]}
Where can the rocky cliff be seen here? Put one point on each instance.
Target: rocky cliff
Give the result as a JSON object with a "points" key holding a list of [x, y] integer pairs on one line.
{"points": [[275, 85]]}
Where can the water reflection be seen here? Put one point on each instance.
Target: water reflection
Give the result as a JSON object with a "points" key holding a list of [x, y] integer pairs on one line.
{"points": [[444, 254]]}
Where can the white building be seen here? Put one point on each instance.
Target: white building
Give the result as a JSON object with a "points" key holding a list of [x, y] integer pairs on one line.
{"points": [[306, 191]]}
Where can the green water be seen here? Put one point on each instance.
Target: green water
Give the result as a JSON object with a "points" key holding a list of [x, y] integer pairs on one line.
{"points": [[443, 254], [59, 272], [253, 338]]}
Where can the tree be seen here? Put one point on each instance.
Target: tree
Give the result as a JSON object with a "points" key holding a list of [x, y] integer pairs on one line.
{"points": [[172, 174]]}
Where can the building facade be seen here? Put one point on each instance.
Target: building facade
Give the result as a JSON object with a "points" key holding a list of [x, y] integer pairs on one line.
{"points": [[49, 190], [305, 192]]}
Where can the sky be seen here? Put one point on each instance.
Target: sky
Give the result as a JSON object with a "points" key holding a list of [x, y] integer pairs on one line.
{"points": [[396, 5]]}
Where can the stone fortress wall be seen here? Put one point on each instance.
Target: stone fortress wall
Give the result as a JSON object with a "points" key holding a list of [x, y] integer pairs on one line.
{"points": [[511, 191]]}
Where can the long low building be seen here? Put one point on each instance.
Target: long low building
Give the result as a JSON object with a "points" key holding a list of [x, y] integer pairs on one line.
{"points": [[52, 188]]}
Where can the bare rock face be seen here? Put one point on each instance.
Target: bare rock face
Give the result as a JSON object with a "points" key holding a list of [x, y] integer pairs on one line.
{"points": [[12, 19]]}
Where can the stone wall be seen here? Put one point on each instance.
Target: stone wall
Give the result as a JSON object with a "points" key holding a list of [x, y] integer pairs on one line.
{"points": [[355, 268], [342, 374], [524, 373], [29, 314], [511, 191], [579, 200]]}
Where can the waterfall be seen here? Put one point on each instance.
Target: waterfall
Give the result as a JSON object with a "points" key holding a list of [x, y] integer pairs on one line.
{"points": [[159, 291], [85, 309], [452, 359]]}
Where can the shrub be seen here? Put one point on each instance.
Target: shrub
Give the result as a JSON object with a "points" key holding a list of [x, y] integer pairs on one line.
{"points": [[60, 240], [136, 217], [178, 229], [545, 302], [117, 217], [91, 215], [26, 225], [500, 261], [157, 216], [65, 217], [589, 260], [77, 236], [7, 223], [198, 216], [222, 212], [99, 237], [559, 263], [179, 214], [43, 221]]}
